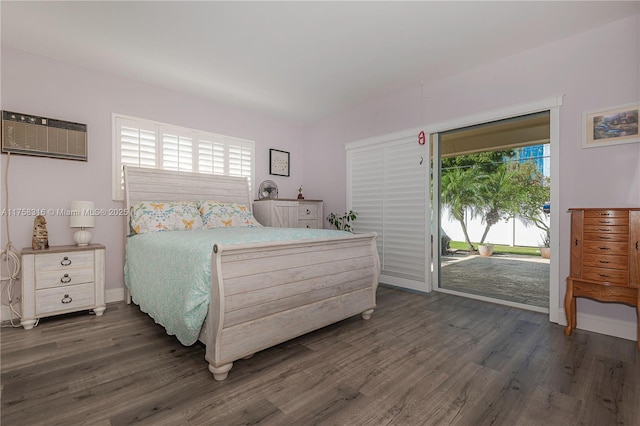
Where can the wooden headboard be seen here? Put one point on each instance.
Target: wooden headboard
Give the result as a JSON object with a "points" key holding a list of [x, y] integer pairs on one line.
{"points": [[141, 184]]}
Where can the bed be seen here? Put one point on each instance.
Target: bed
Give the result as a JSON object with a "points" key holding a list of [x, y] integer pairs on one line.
{"points": [[259, 292]]}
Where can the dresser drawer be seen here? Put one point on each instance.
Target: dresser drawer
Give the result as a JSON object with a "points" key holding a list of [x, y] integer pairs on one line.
{"points": [[67, 298], [313, 224], [307, 211], [606, 248], [606, 275], [606, 261], [606, 229], [607, 237], [588, 214]]}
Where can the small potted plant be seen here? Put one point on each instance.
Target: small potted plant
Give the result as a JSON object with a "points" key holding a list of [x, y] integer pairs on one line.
{"points": [[342, 223], [545, 248], [485, 249], [300, 196]]}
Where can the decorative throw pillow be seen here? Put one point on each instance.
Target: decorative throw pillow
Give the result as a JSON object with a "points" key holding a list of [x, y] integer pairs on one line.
{"points": [[219, 215], [156, 216]]}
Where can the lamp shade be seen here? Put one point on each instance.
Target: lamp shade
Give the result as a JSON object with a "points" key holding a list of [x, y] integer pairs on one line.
{"points": [[82, 214]]}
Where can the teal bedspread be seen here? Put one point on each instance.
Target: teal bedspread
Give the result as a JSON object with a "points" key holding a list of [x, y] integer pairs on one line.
{"points": [[169, 273]]}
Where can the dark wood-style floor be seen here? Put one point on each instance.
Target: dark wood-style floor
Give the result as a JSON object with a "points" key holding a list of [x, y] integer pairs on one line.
{"points": [[421, 360]]}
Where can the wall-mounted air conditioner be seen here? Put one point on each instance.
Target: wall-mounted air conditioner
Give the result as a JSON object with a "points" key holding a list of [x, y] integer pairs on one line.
{"points": [[45, 137]]}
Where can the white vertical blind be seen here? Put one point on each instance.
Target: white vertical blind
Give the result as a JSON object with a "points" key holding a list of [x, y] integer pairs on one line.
{"points": [[145, 143], [387, 187], [367, 183]]}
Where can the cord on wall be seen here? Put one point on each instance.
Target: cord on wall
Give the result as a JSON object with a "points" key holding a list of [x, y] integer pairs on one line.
{"points": [[10, 256]]}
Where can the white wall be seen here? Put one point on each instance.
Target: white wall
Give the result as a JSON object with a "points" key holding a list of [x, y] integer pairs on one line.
{"points": [[596, 69], [41, 86]]}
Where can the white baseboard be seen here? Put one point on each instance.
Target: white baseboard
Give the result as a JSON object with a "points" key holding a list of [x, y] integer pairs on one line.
{"points": [[113, 295], [611, 327]]}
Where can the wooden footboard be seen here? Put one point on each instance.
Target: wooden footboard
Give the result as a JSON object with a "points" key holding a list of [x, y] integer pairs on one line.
{"points": [[266, 294]]}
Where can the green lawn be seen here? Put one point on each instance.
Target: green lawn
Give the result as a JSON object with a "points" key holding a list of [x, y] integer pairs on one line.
{"points": [[529, 251]]}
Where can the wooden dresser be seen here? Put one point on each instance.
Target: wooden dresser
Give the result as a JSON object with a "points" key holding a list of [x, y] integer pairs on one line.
{"points": [[283, 213], [605, 259]]}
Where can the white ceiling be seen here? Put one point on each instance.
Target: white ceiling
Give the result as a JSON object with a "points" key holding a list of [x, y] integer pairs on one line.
{"points": [[297, 61]]}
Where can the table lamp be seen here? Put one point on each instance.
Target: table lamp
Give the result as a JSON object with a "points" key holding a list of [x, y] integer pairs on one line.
{"points": [[82, 216]]}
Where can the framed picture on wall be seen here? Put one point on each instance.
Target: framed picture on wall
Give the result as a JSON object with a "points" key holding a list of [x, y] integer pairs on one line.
{"points": [[611, 126], [278, 162]]}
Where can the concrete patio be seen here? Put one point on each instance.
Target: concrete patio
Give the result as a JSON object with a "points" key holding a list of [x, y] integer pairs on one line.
{"points": [[521, 279]]}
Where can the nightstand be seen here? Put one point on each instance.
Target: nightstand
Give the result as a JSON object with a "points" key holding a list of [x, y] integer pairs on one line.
{"points": [[62, 279]]}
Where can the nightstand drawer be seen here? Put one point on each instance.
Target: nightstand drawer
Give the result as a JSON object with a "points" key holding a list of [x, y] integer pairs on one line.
{"points": [[60, 278], [65, 260], [69, 298], [62, 269]]}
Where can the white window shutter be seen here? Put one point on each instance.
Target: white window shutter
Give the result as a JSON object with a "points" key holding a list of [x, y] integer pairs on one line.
{"points": [[177, 152], [145, 143], [386, 184], [135, 145]]}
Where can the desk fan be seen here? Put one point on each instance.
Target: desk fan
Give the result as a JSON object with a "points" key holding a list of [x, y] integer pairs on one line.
{"points": [[268, 189]]}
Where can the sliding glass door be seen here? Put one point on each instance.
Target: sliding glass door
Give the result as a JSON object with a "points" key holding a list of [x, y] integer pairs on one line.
{"points": [[493, 200]]}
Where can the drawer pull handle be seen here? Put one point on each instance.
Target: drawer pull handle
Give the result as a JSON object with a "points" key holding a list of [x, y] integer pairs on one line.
{"points": [[603, 261], [65, 261], [66, 299], [604, 248], [605, 222], [636, 246], [605, 238], [605, 214], [604, 229], [603, 275], [308, 211], [308, 227], [576, 242], [66, 279]]}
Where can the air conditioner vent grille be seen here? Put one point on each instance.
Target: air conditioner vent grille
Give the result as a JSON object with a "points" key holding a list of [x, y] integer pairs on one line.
{"points": [[40, 136]]}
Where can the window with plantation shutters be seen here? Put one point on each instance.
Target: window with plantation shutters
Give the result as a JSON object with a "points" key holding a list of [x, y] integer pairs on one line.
{"points": [[145, 143], [387, 186]]}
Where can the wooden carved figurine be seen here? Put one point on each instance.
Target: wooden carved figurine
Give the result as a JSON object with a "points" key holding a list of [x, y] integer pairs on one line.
{"points": [[40, 235]]}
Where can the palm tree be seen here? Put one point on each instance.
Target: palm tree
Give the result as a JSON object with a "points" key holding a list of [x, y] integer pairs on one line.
{"points": [[460, 193], [500, 191], [486, 185]]}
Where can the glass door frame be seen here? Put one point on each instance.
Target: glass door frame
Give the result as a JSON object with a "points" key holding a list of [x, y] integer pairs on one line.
{"points": [[552, 105]]}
